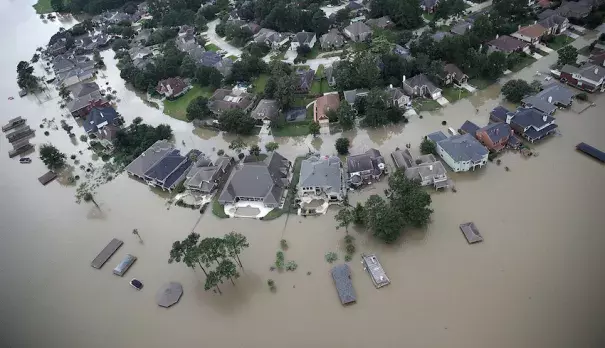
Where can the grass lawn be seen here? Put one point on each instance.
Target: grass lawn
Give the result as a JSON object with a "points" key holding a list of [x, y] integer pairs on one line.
{"points": [[325, 87], [359, 46], [292, 129], [454, 94], [425, 105], [320, 71], [43, 6], [233, 58], [212, 47], [428, 16], [218, 209], [559, 41], [178, 108], [525, 62], [302, 101], [260, 83], [480, 83]]}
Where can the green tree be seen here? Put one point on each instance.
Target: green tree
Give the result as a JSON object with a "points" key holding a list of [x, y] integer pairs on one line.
{"points": [[359, 215], [119, 44], [567, 55], [198, 109], [346, 116], [213, 278], [188, 252], [57, 5], [26, 78], [427, 147], [83, 138], [314, 128], [188, 67], [212, 249], [227, 269], [271, 146], [515, 90], [344, 217], [384, 222], [88, 197], [409, 200], [236, 243], [237, 144], [52, 157], [381, 45], [255, 150], [64, 93], [236, 121], [342, 146]]}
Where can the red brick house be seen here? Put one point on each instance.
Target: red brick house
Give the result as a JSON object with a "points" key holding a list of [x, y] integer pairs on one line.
{"points": [[588, 77], [495, 136], [172, 87]]}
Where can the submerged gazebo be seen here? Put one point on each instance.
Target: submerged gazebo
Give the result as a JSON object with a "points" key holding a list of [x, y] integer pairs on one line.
{"points": [[169, 294]]}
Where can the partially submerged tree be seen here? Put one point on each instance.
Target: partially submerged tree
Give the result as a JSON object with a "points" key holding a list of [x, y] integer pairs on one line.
{"points": [[314, 128], [427, 146], [344, 217], [255, 150], [227, 269], [515, 90], [52, 157], [271, 146], [342, 146], [88, 197], [236, 243], [567, 55]]}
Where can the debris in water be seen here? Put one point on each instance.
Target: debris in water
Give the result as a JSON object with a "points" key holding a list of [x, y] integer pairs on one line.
{"points": [[309, 273], [507, 169]]}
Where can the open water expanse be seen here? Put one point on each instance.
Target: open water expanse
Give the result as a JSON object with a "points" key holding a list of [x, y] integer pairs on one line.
{"points": [[536, 281]]}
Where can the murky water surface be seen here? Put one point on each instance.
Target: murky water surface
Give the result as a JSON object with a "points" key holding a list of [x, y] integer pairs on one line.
{"points": [[536, 281]]}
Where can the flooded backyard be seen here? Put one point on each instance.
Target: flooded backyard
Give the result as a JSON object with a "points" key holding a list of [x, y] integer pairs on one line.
{"points": [[536, 281]]}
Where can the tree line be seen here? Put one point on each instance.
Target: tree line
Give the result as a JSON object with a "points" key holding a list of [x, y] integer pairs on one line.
{"points": [[216, 257], [407, 205]]}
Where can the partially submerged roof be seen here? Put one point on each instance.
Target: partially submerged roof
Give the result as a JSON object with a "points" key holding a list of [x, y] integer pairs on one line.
{"points": [[342, 279], [99, 117], [548, 99], [367, 161], [497, 131], [436, 136], [469, 127], [471, 233]]}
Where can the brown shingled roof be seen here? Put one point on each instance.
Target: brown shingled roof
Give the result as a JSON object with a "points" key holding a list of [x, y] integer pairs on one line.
{"points": [[533, 31]]}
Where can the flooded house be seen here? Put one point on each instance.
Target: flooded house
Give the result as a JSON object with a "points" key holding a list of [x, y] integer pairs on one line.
{"points": [[321, 183], [494, 136], [264, 182], [426, 168], [205, 176], [550, 98], [375, 270], [162, 165], [421, 86], [587, 77], [83, 94], [100, 117], [461, 152], [528, 123], [366, 167]]}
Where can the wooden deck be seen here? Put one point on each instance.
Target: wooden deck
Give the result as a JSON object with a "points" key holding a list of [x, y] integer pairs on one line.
{"points": [[106, 253], [374, 268], [471, 232]]}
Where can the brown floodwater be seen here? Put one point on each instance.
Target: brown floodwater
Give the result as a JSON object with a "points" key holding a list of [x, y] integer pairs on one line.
{"points": [[536, 281]]}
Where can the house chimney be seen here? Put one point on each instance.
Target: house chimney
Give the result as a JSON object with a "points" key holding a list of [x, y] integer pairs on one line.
{"points": [[391, 86], [403, 78], [497, 36], [509, 117], [535, 22], [518, 27], [544, 117], [550, 99], [596, 70]]}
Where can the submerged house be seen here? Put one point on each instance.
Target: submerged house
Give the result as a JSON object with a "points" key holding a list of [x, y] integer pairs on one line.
{"points": [[548, 99], [588, 77], [342, 280], [99, 117], [528, 123], [426, 168], [161, 165], [264, 181], [461, 152], [322, 178], [205, 176], [365, 167], [494, 136]]}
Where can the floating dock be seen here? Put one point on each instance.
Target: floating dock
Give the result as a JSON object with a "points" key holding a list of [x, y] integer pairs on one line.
{"points": [[48, 177], [591, 151], [14, 123], [106, 253], [20, 133], [342, 279], [471, 232], [19, 148], [375, 270]]}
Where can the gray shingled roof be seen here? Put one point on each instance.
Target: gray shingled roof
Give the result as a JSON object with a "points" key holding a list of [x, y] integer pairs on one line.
{"points": [[149, 157], [266, 109], [321, 172], [358, 28], [421, 80], [436, 136], [366, 161], [333, 38], [461, 28], [547, 99], [497, 131], [342, 279], [463, 148], [469, 127], [265, 180], [304, 37]]}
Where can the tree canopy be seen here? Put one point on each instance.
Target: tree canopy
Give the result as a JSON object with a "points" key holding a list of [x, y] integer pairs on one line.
{"points": [[427, 147], [567, 55], [198, 109], [236, 121], [52, 157], [342, 146], [515, 90], [133, 140]]}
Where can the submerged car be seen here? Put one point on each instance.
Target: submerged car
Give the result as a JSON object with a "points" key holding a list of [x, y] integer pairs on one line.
{"points": [[135, 283], [25, 160]]}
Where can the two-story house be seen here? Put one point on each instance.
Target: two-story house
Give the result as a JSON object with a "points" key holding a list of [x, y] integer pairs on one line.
{"points": [[302, 39], [205, 177], [426, 169], [461, 152], [554, 23], [358, 32], [365, 167], [322, 178], [530, 34], [588, 77], [495, 136], [421, 86], [452, 74], [528, 123]]}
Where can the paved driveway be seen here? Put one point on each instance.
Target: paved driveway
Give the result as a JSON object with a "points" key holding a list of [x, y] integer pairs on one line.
{"points": [[220, 42]]}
